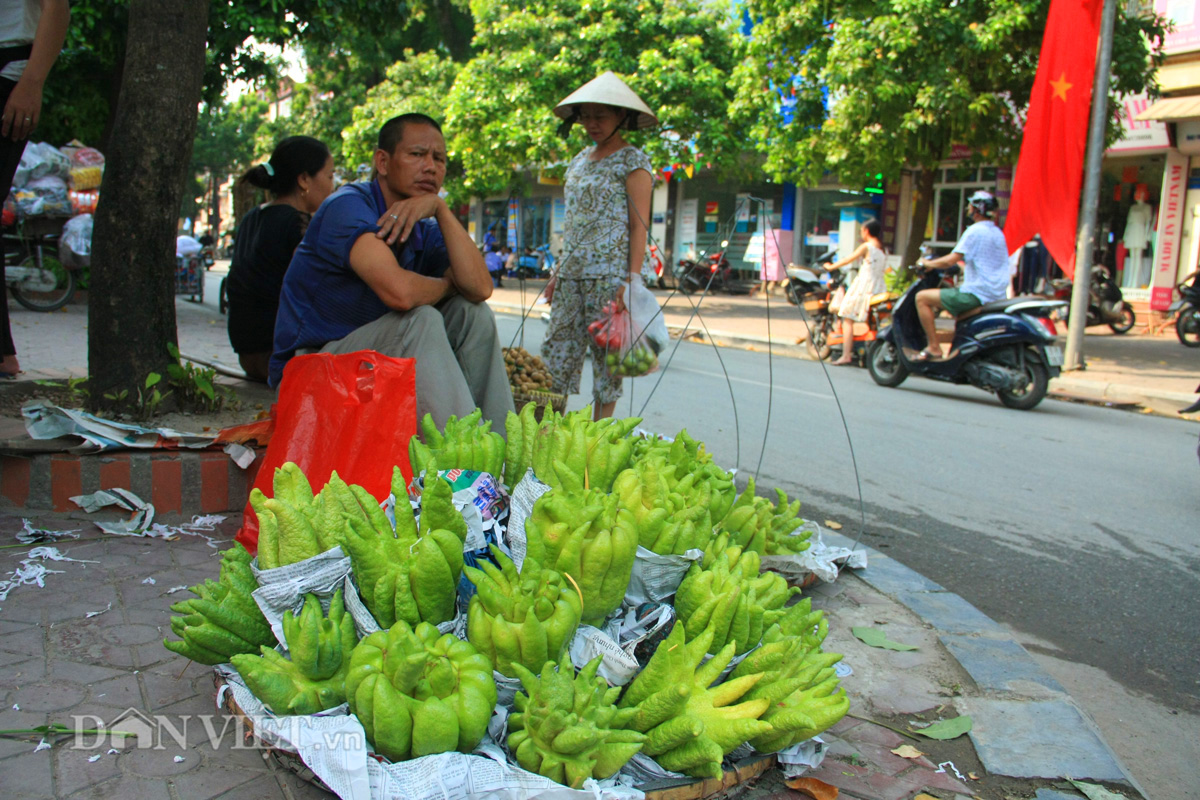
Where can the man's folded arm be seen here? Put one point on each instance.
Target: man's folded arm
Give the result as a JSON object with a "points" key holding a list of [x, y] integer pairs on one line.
{"points": [[399, 289], [467, 270]]}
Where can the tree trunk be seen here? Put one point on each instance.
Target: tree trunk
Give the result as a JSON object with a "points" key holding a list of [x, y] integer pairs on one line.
{"points": [[916, 230], [131, 305]]}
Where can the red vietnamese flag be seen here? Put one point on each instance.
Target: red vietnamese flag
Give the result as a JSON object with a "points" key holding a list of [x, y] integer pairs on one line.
{"points": [[1046, 186]]}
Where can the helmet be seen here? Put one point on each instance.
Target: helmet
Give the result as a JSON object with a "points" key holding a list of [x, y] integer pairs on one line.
{"points": [[983, 202]]}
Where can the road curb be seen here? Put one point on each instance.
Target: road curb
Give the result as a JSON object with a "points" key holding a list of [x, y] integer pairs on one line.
{"points": [[1026, 725], [1067, 387], [183, 483]]}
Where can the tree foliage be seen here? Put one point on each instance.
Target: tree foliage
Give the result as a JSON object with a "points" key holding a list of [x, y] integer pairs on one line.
{"points": [[879, 87], [676, 54]]}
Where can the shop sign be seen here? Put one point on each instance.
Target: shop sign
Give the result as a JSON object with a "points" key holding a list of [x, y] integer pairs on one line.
{"points": [[1186, 35], [688, 218], [1170, 230], [1139, 136]]}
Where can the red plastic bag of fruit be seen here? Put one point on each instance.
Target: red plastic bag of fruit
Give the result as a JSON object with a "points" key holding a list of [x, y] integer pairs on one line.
{"points": [[632, 336], [353, 413]]}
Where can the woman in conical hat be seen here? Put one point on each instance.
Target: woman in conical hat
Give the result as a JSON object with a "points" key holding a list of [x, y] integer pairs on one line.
{"points": [[607, 190]]}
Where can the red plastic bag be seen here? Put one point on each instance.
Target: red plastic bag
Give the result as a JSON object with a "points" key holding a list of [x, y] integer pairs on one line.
{"points": [[353, 413], [626, 334]]}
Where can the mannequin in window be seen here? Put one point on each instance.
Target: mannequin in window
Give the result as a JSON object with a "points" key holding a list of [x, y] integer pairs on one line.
{"points": [[1137, 240]]}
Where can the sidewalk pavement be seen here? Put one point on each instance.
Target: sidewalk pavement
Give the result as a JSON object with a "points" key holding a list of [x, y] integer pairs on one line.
{"points": [[1155, 372], [85, 651]]}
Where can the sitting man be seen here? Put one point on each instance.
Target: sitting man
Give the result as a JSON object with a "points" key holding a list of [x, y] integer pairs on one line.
{"points": [[386, 266], [984, 255]]}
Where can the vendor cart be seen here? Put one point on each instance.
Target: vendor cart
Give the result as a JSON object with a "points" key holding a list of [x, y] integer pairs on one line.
{"points": [[189, 276]]}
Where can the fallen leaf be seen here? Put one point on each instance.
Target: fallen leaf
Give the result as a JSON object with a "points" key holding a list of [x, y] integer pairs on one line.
{"points": [[923, 796], [947, 728], [816, 789], [908, 751], [972, 776], [1094, 792], [877, 638], [833, 526]]}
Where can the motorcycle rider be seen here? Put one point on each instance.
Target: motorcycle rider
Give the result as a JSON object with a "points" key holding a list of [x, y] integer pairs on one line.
{"points": [[984, 255]]}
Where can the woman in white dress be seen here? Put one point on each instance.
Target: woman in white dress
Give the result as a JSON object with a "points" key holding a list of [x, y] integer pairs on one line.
{"points": [[869, 282]]}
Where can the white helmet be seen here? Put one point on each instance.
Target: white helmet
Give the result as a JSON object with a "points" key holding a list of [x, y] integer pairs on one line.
{"points": [[983, 202]]}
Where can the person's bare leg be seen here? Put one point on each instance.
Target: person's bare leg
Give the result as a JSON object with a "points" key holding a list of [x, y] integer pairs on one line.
{"points": [[929, 302], [847, 341]]}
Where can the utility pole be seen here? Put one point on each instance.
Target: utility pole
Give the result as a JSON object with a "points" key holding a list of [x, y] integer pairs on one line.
{"points": [[1084, 243]]}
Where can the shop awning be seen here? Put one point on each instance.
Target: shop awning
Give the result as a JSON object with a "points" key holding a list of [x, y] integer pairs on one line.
{"points": [[1171, 109]]}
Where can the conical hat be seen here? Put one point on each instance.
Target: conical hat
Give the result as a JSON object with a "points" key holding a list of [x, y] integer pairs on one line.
{"points": [[609, 90]]}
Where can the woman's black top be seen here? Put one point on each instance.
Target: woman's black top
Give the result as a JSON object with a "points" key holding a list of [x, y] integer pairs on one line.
{"points": [[266, 239]]}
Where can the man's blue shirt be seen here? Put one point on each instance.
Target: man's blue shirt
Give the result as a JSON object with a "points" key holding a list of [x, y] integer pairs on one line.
{"points": [[323, 299]]}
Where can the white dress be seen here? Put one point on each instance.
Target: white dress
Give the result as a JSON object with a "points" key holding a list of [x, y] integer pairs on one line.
{"points": [[868, 283]]}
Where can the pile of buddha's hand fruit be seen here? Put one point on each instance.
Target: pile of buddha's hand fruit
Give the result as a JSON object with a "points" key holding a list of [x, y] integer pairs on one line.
{"points": [[418, 691], [526, 372]]}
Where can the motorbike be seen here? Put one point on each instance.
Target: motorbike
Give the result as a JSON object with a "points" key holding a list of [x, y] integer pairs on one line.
{"points": [[814, 293], [653, 270], [1187, 311], [712, 273], [1106, 304], [40, 281], [804, 282], [1006, 347]]}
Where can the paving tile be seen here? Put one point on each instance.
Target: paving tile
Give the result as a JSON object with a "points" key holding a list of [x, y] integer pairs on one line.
{"points": [[49, 696], [1038, 739], [948, 612], [213, 780], [124, 691], [165, 687], [62, 669], [12, 658], [931, 779], [865, 783], [1053, 794], [998, 665], [18, 720], [30, 643], [299, 788], [152, 654], [264, 787], [873, 734], [903, 694], [8, 626], [15, 676], [891, 577], [125, 787], [98, 597], [73, 771], [159, 763], [28, 776]]}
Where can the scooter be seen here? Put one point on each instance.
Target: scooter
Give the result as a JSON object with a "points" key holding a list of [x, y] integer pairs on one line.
{"points": [[712, 273], [804, 282], [1187, 311], [1106, 304], [40, 281], [1004, 347]]}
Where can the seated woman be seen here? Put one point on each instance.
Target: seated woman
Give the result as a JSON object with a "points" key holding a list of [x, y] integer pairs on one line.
{"points": [[299, 176]]}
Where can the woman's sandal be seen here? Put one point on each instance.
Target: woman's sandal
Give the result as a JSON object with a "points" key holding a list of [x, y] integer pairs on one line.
{"points": [[929, 355]]}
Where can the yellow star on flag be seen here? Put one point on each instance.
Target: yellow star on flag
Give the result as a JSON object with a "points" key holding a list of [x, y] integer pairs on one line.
{"points": [[1061, 86]]}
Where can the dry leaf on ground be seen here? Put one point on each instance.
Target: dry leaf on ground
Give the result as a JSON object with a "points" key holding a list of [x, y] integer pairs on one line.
{"points": [[816, 789], [908, 751], [833, 526]]}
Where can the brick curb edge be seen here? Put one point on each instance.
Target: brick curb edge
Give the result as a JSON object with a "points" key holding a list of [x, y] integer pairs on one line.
{"points": [[182, 482], [1001, 667]]}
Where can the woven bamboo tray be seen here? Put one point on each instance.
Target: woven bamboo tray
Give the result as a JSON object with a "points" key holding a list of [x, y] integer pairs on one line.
{"points": [[558, 402]]}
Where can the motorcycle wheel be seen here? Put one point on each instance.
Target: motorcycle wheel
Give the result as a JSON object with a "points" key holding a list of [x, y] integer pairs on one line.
{"points": [[789, 291], [54, 299], [1187, 326], [1128, 320], [1035, 388], [817, 343], [883, 362], [689, 284]]}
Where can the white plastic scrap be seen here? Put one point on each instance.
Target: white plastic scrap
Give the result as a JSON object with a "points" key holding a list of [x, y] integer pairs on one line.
{"points": [[93, 759], [149, 581], [16, 707], [30, 573], [42, 745], [175, 589], [178, 759], [32, 535], [91, 614], [942, 769], [112, 751]]}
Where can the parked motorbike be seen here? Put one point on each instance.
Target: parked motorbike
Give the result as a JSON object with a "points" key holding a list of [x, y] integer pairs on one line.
{"points": [[1005, 347], [714, 273], [804, 282], [653, 272], [1187, 311], [1106, 304], [40, 281]]}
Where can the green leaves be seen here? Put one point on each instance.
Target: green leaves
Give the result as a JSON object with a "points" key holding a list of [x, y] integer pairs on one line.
{"points": [[877, 638], [947, 728]]}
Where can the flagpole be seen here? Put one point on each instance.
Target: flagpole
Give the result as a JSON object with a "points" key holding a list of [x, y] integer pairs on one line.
{"points": [[1084, 243]]}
